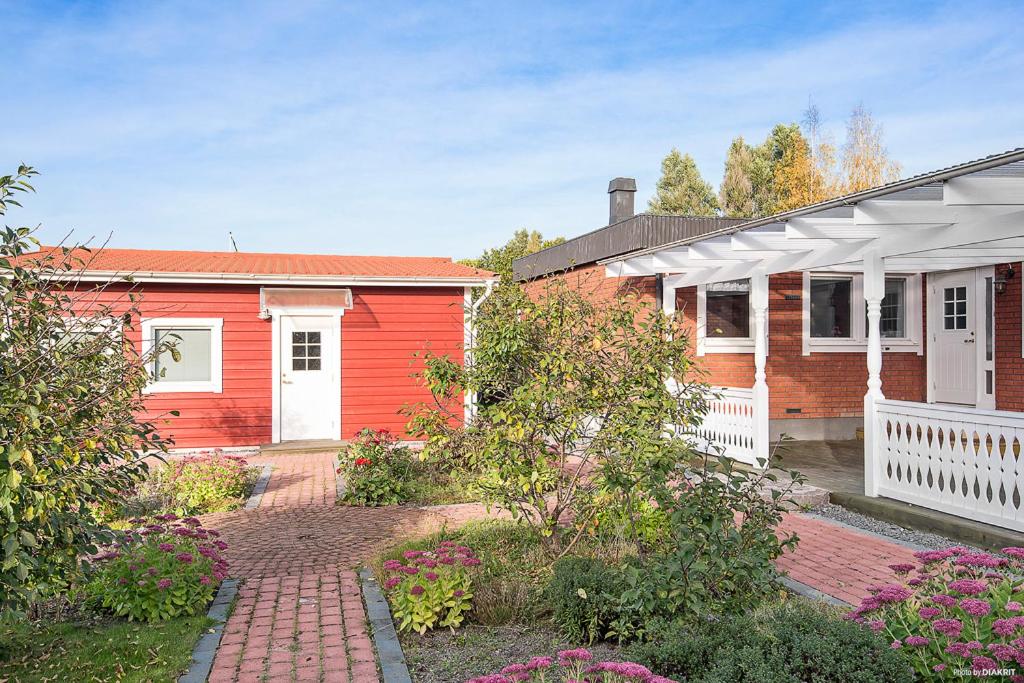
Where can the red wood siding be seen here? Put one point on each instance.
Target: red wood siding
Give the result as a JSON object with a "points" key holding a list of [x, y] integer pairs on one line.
{"points": [[378, 338], [1009, 363]]}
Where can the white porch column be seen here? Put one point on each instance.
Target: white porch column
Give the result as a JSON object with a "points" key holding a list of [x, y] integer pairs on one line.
{"points": [[759, 301], [874, 292]]}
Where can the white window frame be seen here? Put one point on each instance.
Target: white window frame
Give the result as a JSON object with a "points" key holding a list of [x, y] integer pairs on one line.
{"points": [[858, 341], [215, 384], [706, 344]]}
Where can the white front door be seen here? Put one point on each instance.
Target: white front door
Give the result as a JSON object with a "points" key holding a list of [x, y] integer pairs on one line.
{"points": [[952, 321], [310, 374]]}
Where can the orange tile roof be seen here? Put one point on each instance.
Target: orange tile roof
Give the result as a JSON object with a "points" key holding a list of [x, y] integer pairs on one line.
{"points": [[139, 261]]}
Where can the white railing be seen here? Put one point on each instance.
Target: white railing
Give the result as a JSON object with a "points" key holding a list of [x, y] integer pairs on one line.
{"points": [[962, 461], [728, 428]]}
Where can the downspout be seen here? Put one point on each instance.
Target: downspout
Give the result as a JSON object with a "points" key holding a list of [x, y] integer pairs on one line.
{"points": [[471, 396]]}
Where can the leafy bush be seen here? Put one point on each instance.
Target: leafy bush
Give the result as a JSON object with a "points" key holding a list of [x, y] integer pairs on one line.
{"points": [[432, 484], [794, 641], [582, 597], [162, 570], [573, 665], [574, 401], [961, 610], [433, 589], [721, 551], [201, 484], [377, 469], [633, 519], [70, 397]]}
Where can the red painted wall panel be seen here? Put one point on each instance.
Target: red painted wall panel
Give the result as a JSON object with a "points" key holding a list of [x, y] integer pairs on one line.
{"points": [[378, 338]]}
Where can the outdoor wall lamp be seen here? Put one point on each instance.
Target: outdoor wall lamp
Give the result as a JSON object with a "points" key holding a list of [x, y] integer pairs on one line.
{"points": [[1000, 283]]}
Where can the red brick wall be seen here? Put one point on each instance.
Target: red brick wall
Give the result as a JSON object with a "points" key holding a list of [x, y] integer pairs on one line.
{"points": [[1009, 364], [591, 280], [821, 384]]}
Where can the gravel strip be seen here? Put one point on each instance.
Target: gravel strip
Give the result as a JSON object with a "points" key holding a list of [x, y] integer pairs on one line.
{"points": [[892, 531]]}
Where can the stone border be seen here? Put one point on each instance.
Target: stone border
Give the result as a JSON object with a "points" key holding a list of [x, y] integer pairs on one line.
{"points": [[339, 482], [206, 647], [256, 497], [812, 593], [393, 668]]}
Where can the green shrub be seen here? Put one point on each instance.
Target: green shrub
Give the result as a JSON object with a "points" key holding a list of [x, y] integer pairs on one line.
{"points": [[433, 589], [580, 595], [377, 469], [162, 570], [70, 407], [721, 552], [793, 642], [202, 484]]}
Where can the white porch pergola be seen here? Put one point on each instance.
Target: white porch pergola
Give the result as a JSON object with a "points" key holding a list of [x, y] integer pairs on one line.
{"points": [[964, 217]]}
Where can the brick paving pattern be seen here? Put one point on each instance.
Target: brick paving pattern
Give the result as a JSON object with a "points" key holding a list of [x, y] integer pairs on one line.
{"points": [[299, 614]]}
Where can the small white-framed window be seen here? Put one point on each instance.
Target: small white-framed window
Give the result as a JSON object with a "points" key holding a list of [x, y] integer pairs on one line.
{"points": [[199, 344], [835, 313], [725, 318]]}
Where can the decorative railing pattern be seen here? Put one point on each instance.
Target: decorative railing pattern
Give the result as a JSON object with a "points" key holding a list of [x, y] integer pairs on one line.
{"points": [[962, 461], [728, 428]]}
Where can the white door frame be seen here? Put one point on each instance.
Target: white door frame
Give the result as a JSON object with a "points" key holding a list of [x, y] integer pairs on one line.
{"points": [[276, 312], [982, 399]]}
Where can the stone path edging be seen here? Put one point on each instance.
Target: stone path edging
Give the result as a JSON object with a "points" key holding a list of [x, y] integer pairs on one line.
{"points": [[393, 668], [259, 488], [206, 647], [811, 593], [339, 481]]}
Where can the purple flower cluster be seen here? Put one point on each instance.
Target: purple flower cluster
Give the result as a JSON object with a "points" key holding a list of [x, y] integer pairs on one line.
{"points": [[573, 667]]}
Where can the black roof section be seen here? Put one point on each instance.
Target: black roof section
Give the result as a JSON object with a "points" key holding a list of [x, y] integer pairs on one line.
{"points": [[642, 231]]}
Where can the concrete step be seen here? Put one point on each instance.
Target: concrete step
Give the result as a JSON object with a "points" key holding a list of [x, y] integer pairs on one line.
{"points": [[311, 446], [966, 531]]}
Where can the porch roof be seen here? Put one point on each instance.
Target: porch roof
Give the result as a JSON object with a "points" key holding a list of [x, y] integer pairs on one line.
{"points": [[964, 216]]}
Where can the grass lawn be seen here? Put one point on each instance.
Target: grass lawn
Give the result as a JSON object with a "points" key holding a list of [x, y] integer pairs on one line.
{"points": [[431, 486], [104, 650]]}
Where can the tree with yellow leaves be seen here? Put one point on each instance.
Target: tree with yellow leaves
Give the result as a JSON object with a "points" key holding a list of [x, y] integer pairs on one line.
{"points": [[866, 161]]}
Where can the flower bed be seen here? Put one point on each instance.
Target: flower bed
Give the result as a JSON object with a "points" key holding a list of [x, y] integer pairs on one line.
{"points": [[960, 610], [200, 484], [573, 665], [164, 569], [376, 468]]}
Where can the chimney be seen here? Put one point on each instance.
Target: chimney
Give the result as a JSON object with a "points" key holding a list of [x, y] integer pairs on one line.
{"points": [[620, 199]]}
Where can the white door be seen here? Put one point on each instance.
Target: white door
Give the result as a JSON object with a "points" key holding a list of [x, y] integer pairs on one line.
{"points": [[953, 337], [310, 373]]}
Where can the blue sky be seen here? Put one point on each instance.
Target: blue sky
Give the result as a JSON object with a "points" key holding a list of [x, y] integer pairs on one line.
{"points": [[439, 128]]}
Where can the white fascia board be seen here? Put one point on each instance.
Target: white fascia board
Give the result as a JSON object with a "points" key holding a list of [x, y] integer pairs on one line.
{"points": [[774, 241], [983, 191], [237, 279]]}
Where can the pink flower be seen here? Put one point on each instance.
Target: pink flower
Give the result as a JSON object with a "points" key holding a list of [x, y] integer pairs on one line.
{"points": [[416, 590], [412, 554], [944, 600], [447, 560], [974, 607], [205, 580], [470, 562], [392, 582], [431, 576], [1014, 552], [969, 586], [410, 570], [163, 584], [578, 655], [939, 667], [185, 558], [876, 625], [539, 663], [894, 593], [982, 663], [983, 560], [1003, 652], [1014, 606], [896, 644], [902, 568], [392, 565], [916, 641], [459, 592], [948, 627], [929, 612]]}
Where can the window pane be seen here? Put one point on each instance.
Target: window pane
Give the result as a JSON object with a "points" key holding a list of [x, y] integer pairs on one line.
{"points": [[194, 347], [314, 364], [298, 363], [894, 309], [728, 309], [830, 307]]}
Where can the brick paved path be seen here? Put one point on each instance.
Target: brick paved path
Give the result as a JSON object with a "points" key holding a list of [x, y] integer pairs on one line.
{"points": [[299, 613]]}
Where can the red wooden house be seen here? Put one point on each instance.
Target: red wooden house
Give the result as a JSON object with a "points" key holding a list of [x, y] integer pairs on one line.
{"points": [[286, 347]]}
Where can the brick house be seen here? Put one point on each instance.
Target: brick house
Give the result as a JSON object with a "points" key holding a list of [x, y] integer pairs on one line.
{"points": [[282, 347], [896, 311]]}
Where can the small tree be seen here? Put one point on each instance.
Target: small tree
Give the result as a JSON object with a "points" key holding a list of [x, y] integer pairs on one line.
{"points": [[866, 161], [580, 398], [70, 393], [681, 189]]}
